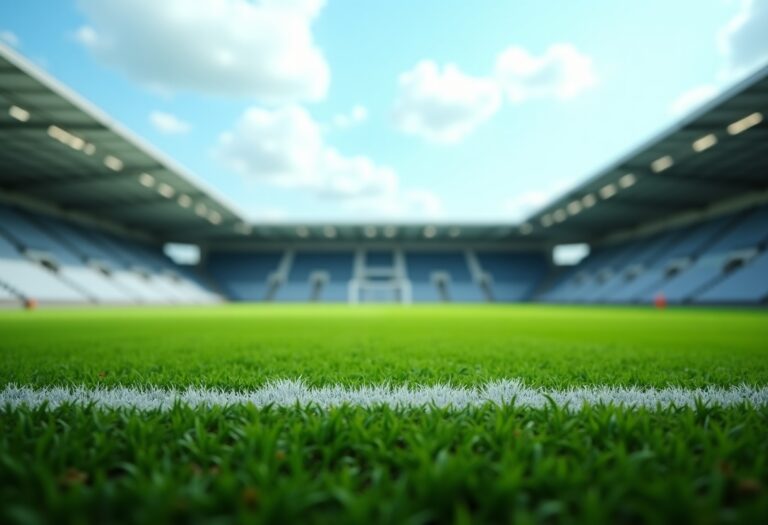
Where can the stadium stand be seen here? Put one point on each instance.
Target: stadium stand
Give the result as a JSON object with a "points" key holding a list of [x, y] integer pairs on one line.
{"points": [[707, 262], [244, 276], [317, 276], [27, 280], [86, 206], [441, 277], [513, 277], [63, 263]]}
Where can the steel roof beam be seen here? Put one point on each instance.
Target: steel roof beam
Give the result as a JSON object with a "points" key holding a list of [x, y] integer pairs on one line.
{"points": [[729, 183], [22, 183], [33, 125], [150, 201]]}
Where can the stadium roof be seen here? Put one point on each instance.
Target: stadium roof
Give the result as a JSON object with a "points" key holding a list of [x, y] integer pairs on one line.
{"points": [[719, 152], [59, 149]]}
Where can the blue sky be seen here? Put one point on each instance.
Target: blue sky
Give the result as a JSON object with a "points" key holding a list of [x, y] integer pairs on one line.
{"points": [[432, 110]]}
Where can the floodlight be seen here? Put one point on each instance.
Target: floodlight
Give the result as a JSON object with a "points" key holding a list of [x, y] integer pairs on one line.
{"points": [[627, 181], [589, 200], [20, 114], [608, 191], [185, 201], [704, 143], [574, 208], [662, 163], [146, 180], [166, 190], [744, 124], [113, 163]]}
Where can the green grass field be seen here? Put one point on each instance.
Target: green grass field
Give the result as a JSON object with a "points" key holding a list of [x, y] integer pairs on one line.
{"points": [[76, 464]]}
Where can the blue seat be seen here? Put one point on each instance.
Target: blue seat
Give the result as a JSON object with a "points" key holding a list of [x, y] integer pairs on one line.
{"points": [[242, 276], [515, 276], [747, 284]]}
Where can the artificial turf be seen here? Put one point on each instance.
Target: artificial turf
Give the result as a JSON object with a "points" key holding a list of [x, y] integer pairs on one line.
{"points": [[352, 464]]}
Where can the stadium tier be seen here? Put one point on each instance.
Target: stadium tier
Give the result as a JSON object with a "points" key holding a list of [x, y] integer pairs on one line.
{"points": [[717, 261], [52, 261], [87, 208], [377, 275]]}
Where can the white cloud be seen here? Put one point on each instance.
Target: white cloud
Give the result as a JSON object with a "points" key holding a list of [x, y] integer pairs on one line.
{"points": [[168, 124], [262, 49], [280, 146], [10, 38], [562, 72], [743, 44], [356, 116], [744, 40], [268, 214], [414, 202], [520, 206], [285, 147], [443, 105], [692, 99]]}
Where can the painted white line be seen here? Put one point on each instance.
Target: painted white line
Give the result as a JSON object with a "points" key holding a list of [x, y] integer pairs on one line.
{"points": [[289, 393]]}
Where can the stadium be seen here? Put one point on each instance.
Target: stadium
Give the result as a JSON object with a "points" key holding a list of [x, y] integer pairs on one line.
{"points": [[380, 371]]}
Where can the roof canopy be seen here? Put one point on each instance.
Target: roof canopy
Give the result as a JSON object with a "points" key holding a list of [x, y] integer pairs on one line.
{"points": [[59, 149], [718, 153]]}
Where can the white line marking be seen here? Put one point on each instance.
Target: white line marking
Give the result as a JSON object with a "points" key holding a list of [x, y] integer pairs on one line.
{"points": [[289, 393]]}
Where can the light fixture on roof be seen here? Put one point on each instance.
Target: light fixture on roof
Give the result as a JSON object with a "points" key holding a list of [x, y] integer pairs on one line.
{"points": [[525, 228], [184, 200], [329, 232], [429, 232], [454, 232], [201, 210], [574, 208], [166, 190], [20, 114], [214, 217], [370, 232], [390, 232], [627, 181], [113, 163], [67, 138], [302, 231], [146, 180], [662, 163], [55, 132], [76, 143], [546, 221], [608, 191], [559, 215], [89, 149], [744, 124], [589, 200], [704, 143]]}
